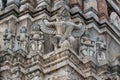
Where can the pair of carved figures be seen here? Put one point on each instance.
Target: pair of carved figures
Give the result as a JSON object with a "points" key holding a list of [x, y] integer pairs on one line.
{"points": [[35, 38], [92, 48]]}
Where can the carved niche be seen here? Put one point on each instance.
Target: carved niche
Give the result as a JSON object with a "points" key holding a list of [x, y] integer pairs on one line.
{"points": [[36, 39], [22, 39], [115, 20]]}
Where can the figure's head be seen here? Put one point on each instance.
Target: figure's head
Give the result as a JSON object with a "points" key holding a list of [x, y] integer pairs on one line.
{"points": [[23, 30], [64, 13]]}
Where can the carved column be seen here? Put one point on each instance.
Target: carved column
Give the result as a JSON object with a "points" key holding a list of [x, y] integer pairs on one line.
{"points": [[103, 11]]}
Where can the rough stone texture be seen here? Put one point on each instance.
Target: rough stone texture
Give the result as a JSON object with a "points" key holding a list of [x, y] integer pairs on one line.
{"points": [[103, 10], [59, 40]]}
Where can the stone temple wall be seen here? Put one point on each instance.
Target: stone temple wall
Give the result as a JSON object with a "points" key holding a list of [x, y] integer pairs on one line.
{"points": [[59, 40]]}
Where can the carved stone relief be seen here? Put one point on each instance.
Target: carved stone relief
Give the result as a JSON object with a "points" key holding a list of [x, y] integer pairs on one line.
{"points": [[87, 47], [36, 39], [63, 29], [115, 20], [8, 39], [101, 49], [22, 39]]}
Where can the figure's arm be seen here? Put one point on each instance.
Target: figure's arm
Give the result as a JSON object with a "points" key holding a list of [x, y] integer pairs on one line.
{"points": [[78, 26], [48, 23]]}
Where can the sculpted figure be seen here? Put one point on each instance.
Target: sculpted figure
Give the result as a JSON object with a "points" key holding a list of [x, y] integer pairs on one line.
{"points": [[36, 39], [22, 39], [101, 48], [8, 39], [87, 46], [63, 28]]}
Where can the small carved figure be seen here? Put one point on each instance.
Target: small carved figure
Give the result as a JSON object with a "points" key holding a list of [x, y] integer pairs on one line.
{"points": [[8, 39], [101, 49], [22, 39], [33, 46], [36, 39]]}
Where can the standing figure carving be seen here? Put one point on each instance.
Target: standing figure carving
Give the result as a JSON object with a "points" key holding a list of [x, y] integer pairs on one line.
{"points": [[23, 39], [8, 39]]}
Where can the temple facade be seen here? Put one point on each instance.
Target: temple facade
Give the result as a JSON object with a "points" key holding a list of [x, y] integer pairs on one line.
{"points": [[59, 39]]}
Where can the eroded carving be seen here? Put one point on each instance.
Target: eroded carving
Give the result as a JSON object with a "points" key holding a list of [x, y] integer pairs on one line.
{"points": [[101, 49]]}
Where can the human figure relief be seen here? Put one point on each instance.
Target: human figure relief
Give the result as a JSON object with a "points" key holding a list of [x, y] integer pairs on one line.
{"points": [[8, 39], [101, 49], [22, 39]]}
